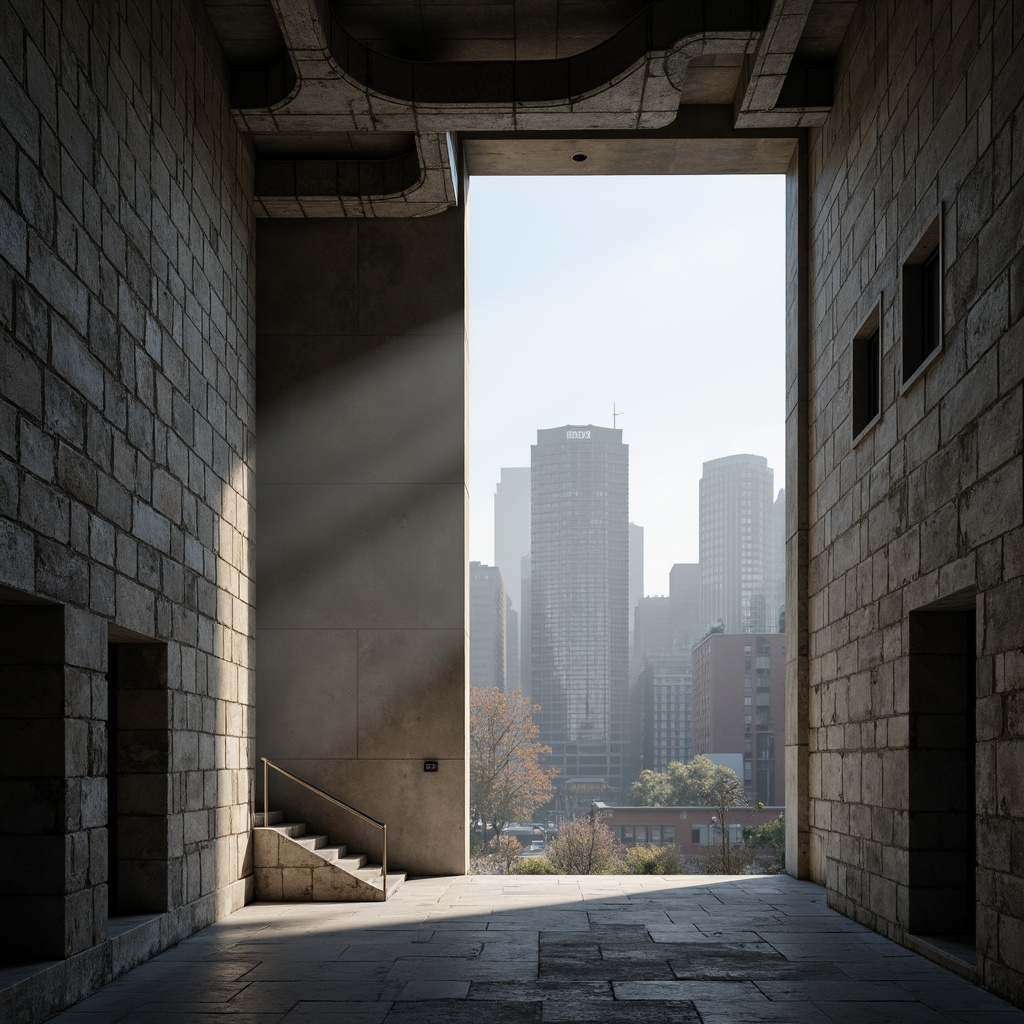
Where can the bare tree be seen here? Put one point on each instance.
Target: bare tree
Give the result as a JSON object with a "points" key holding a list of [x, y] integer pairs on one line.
{"points": [[506, 779]]}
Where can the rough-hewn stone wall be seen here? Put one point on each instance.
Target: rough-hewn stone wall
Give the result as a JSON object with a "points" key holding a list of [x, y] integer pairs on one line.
{"points": [[126, 411], [928, 117]]}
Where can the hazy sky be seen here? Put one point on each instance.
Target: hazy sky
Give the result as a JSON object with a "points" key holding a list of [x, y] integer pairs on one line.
{"points": [[662, 295]]}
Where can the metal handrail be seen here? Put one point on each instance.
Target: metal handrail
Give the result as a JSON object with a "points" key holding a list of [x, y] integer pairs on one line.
{"points": [[267, 763]]}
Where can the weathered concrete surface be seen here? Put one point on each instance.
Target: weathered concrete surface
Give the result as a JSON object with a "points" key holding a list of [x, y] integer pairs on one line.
{"points": [[560, 948], [360, 397]]}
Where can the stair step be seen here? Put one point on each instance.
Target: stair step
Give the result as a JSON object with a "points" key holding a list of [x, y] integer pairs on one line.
{"points": [[331, 853], [311, 842], [352, 862], [292, 829]]}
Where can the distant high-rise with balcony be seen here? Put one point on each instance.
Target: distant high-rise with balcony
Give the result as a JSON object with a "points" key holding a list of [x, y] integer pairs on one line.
{"points": [[486, 626], [736, 513], [580, 592]]}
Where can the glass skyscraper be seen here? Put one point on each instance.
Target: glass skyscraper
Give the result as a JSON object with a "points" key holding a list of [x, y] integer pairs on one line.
{"points": [[736, 506], [579, 607]]}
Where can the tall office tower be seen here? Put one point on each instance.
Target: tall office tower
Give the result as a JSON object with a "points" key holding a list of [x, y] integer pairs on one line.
{"points": [[486, 626], [636, 569], [580, 595], [512, 677], [739, 708], [736, 544], [512, 528], [778, 559], [684, 595]]}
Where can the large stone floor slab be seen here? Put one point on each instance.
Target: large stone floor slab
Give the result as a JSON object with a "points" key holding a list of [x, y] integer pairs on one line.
{"points": [[575, 950]]}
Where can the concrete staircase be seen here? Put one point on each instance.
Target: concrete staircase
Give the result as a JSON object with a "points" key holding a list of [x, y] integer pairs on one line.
{"points": [[292, 866]]}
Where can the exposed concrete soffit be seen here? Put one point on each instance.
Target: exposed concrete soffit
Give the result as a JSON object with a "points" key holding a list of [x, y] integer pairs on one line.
{"points": [[419, 183], [773, 91], [329, 82], [633, 80]]}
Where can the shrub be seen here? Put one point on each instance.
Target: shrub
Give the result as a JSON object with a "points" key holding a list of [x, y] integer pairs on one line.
{"points": [[497, 858], [734, 862], [506, 850], [585, 846], [768, 843], [653, 860], [532, 866]]}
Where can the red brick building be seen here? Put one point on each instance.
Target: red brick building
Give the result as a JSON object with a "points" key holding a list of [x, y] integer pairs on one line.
{"points": [[692, 830]]}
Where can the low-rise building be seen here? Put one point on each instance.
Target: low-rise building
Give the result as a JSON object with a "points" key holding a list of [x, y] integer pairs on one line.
{"points": [[692, 830]]}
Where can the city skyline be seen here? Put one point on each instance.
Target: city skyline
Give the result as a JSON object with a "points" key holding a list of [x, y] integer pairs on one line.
{"points": [[567, 338]]}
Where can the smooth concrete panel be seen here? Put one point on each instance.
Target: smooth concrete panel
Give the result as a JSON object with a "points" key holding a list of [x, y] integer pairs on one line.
{"points": [[374, 276], [412, 694], [306, 696], [411, 275], [426, 812], [361, 409], [335, 556], [306, 274], [360, 522]]}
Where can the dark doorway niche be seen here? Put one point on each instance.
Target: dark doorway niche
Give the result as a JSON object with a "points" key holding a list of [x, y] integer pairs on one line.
{"points": [[113, 878], [138, 781], [943, 828], [33, 789]]}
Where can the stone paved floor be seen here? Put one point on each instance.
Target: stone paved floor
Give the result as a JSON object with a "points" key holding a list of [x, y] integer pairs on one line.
{"points": [[587, 950]]}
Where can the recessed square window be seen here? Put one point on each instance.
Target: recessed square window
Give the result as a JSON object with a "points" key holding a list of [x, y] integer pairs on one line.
{"points": [[866, 390], [922, 301]]}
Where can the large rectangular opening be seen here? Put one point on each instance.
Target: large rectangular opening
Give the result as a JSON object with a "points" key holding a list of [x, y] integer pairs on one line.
{"points": [[943, 828], [138, 775], [625, 387], [33, 790]]}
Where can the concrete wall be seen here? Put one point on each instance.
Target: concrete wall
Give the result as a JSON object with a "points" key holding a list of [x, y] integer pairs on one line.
{"points": [[927, 506], [126, 275], [361, 372]]}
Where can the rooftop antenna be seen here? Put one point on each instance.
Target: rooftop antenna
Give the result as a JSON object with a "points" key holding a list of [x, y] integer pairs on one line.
{"points": [[616, 415]]}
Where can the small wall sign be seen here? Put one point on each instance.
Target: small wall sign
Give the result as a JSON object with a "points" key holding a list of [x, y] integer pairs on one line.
{"points": [[430, 766]]}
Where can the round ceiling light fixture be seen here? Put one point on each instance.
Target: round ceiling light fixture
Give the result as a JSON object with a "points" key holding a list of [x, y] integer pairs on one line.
{"points": [[579, 157]]}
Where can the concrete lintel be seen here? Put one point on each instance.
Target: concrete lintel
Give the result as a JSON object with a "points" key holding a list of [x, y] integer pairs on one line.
{"points": [[701, 140]]}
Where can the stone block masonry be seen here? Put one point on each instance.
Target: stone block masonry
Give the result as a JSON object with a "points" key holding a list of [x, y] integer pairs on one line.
{"points": [[126, 442], [923, 516]]}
